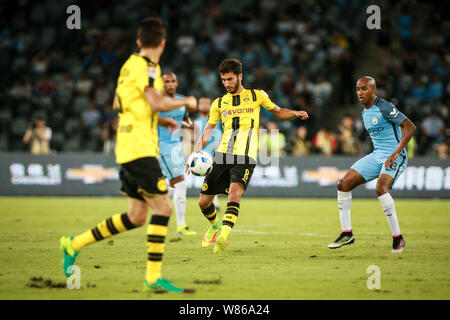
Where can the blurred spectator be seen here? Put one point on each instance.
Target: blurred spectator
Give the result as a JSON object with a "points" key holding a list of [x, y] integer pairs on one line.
{"points": [[435, 88], [432, 126], [207, 80], [90, 119], [38, 135], [101, 92], [39, 64], [186, 43], [322, 89], [46, 87], [325, 142], [84, 84], [301, 146], [108, 114], [288, 85], [304, 87], [442, 151], [57, 63], [272, 142], [22, 89], [221, 39], [418, 90], [348, 141], [65, 86], [109, 135], [262, 79]]}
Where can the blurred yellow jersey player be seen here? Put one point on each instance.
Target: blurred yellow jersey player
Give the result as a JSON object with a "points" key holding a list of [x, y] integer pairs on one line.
{"points": [[138, 100], [137, 135], [240, 121]]}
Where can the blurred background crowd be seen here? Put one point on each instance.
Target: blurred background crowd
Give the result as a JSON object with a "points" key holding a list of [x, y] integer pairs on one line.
{"points": [[306, 55]]}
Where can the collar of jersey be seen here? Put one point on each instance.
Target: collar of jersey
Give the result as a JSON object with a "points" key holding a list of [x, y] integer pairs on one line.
{"points": [[374, 104]]}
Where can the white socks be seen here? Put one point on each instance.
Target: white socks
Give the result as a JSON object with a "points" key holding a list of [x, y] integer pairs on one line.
{"points": [[344, 205], [388, 205], [179, 201], [216, 202]]}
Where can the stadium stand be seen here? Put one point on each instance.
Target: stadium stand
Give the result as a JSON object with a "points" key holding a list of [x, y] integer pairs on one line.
{"points": [[304, 54]]}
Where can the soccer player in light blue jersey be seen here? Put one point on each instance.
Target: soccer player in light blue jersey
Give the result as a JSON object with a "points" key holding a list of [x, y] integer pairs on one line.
{"points": [[390, 131], [171, 154], [204, 104]]}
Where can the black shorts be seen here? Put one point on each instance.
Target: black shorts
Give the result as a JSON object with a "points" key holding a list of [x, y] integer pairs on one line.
{"points": [[222, 175], [142, 177]]}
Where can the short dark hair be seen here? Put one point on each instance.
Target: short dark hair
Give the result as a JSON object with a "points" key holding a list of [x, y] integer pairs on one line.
{"points": [[151, 32], [231, 65]]}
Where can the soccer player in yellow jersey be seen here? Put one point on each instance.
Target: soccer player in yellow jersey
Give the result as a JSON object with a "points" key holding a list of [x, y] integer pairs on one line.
{"points": [[139, 100], [235, 157]]}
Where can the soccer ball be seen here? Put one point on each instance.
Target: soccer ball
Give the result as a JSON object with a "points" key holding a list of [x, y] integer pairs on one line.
{"points": [[200, 163]]}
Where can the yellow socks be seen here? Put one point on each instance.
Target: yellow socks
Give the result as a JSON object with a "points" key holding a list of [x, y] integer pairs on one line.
{"points": [[105, 229], [156, 235], [210, 214], [229, 218]]}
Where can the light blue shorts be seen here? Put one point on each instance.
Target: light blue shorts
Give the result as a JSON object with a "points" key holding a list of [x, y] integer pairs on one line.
{"points": [[171, 160], [371, 166]]}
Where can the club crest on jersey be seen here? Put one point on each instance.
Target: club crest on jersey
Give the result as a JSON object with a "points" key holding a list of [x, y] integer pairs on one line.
{"points": [[152, 72], [374, 121]]}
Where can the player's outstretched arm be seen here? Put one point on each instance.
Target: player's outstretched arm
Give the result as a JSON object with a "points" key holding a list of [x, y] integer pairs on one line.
{"points": [[160, 103], [169, 123], [408, 128], [286, 114], [204, 137]]}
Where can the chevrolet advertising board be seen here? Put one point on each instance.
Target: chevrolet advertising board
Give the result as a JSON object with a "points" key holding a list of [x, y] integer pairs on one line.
{"points": [[314, 176]]}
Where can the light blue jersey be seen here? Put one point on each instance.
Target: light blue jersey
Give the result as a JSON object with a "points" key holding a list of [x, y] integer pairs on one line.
{"points": [[178, 114], [170, 149], [215, 138], [382, 122]]}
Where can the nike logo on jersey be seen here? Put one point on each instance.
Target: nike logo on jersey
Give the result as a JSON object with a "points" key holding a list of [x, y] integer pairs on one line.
{"points": [[394, 113]]}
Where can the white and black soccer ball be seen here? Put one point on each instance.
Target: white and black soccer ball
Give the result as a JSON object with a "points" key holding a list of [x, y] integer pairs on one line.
{"points": [[200, 163]]}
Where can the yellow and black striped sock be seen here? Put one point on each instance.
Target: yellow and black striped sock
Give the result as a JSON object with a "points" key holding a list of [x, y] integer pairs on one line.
{"points": [[210, 214], [156, 235], [229, 218], [105, 229]]}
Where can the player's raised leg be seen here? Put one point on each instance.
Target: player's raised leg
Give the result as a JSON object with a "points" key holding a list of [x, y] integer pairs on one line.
{"points": [[230, 216], [351, 180], [384, 184], [209, 211], [156, 235], [134, 217]]}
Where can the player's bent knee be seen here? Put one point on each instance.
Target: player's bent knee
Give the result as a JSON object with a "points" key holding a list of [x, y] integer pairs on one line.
{"points": [[381, 189], [343, 186], [205, 202], [138, 217]]}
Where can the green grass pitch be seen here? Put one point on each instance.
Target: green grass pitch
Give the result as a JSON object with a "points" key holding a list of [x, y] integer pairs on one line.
{"points": [[278, 250]]}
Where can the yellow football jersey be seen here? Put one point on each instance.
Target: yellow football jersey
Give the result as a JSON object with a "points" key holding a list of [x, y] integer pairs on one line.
{"points": [[137, 135], [240, 121]]}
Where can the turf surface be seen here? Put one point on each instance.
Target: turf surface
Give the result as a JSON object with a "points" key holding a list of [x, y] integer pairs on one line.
{"points": [[278, 250]]}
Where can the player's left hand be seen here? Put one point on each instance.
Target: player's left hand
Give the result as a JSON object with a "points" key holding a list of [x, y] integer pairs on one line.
{"points": [[302, 115], [390, 161]]}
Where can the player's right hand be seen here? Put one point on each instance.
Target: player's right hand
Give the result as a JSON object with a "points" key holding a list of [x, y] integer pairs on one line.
{"points": [[191, 102], [302, 115]]}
